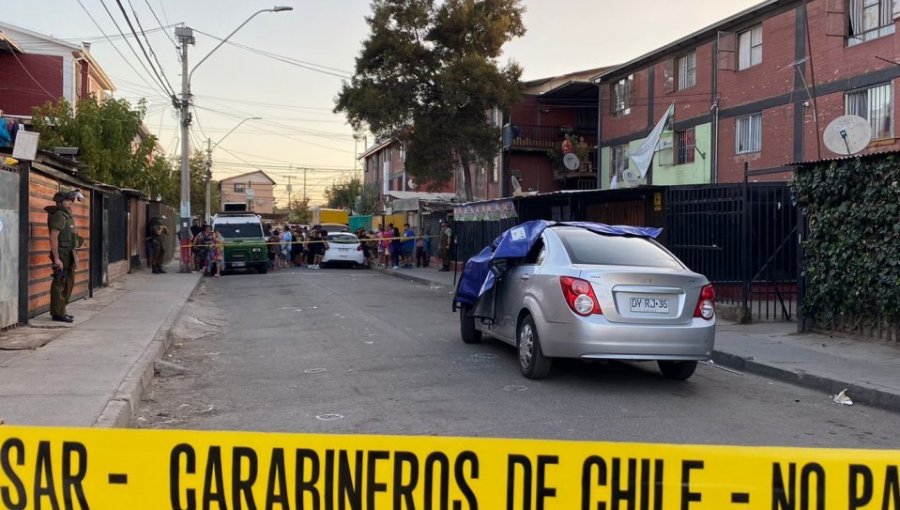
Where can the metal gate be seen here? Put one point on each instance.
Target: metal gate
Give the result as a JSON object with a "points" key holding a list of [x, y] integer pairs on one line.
{"points": [[9, 248], [743, 237]]}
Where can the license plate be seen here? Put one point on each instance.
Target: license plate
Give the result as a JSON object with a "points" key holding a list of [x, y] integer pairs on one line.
{"points": [[237, 264], [649, 305]]}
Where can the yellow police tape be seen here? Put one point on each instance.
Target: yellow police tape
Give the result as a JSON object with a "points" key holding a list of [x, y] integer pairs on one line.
{"points": [[53, 468]]}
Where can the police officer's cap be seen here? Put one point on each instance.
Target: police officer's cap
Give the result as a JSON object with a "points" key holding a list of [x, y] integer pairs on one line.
{"points": [[64, 194]]}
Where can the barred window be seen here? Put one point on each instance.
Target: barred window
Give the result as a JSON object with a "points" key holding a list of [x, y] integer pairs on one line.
{"points": [[685, 144], [748, 134], [687, 71], [619, 162], [870, 19], [750, 47], [874, 104], [239, 188], [622, 92]]}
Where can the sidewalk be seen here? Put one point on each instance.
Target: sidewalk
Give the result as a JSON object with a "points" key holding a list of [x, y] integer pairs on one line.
{"points": [[93, 371], [869, 370]]}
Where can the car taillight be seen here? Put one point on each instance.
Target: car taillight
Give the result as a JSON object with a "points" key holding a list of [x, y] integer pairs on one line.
{"points": [[580, 296], [706, 305]]}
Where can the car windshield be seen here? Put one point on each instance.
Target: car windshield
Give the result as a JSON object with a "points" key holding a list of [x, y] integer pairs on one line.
{"points": [[342, 239], [239, 230], [586, 247]]}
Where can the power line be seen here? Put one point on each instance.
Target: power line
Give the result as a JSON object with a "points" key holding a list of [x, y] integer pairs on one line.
{"points": [[287, 60], [175, 44], [164, 81], [128, 62]]}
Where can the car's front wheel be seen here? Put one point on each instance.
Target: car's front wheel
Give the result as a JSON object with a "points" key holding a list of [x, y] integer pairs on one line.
{"points": [[532, 362], [467, 330], [679, 370]]}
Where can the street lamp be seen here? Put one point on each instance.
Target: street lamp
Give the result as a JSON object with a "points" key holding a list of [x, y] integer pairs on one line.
{"points": [[209, 147], [185, 36]]}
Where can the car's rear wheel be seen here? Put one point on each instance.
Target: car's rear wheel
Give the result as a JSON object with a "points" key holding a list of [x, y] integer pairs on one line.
{"points": [[680, 370], [467, 330], [532, 362]]}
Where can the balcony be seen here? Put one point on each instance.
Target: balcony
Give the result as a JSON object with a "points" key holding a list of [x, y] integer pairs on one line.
{"points": [[543, 138]]}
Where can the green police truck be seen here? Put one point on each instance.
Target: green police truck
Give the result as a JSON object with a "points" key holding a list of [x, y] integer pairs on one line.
{"points": [[245, 243]]}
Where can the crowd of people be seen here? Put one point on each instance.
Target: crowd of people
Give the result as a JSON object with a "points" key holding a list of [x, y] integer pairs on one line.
{"points": [[302, 246]]}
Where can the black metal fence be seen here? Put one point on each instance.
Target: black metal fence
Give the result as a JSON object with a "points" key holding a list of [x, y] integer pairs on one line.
{"points": [[744, 239]]}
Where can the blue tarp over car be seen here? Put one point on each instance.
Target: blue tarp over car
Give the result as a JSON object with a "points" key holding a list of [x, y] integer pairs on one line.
{"points": [[477, 278]]}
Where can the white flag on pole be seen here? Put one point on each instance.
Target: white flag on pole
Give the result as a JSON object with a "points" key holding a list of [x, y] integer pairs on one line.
{"points": [[644, 154]]}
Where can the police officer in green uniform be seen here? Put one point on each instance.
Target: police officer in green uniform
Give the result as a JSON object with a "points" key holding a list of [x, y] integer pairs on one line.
{"points": [[63, 242]]}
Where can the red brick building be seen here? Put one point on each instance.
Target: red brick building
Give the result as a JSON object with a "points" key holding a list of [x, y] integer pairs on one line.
{"points": [[756, 89], [384, 168], [37, 68]]}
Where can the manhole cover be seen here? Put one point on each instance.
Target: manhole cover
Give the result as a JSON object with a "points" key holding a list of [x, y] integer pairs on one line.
{"points": [[515, 387], [329, 417], [314, 370]]}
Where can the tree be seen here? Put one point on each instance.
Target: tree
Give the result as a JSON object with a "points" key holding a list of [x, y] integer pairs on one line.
{"points": [[343, 195], [429, 75], [106, 134], [299, 211]]}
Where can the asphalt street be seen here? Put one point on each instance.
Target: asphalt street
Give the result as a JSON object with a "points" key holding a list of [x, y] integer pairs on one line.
{"points": [[355, 351]]}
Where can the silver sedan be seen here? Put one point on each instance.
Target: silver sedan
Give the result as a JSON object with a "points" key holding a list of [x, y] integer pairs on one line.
{"points": [[581, 294]]}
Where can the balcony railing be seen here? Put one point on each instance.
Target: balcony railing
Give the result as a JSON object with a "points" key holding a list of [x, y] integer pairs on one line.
{"points": [[546, 137]]}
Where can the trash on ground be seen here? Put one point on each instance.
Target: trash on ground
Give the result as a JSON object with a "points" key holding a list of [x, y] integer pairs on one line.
{"points": [[842, 398]]}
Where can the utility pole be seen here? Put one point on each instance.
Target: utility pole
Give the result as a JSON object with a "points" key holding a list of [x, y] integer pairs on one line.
{"points": [[305, 197], [185, 36], [208, 179], [289, 189]]}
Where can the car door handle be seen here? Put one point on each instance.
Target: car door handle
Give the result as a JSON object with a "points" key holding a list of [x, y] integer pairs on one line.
{"points": [[525, 277]]}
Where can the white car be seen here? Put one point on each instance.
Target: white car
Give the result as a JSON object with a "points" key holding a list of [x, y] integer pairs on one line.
{"points": [[343, 249]]}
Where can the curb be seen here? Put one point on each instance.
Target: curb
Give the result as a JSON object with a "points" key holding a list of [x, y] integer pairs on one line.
{"points": [[410, 276], [119, 411], [862, 394]]}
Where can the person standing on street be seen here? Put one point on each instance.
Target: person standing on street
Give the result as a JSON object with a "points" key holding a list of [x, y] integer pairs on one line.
{"points": [[158, 247], [64, 240], [444, 246]]}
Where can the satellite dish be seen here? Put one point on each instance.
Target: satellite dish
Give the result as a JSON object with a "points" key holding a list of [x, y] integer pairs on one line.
{"points": [[411, 184], [517, 188], [571, 162], [630, 177], [847, 134]]}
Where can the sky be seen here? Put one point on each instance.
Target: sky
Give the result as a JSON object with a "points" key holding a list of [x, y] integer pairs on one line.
{"points": [[290, 65]]}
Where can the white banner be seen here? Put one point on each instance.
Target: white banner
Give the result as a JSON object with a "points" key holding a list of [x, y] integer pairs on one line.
{"points": [[644, 154]]}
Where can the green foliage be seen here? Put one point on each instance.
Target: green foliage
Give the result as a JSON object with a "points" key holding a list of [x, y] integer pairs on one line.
{"points": [[343, 194], [852, 252], [578, 146], [299, 211], [435, 68], [107, 134]]}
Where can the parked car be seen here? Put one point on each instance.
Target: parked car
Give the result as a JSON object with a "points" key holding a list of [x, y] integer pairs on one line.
{"points": [[588, 291], [245, 244], [343, 249]]}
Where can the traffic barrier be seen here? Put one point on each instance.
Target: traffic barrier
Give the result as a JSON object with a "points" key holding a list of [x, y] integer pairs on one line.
{"points": [[186, 470]]}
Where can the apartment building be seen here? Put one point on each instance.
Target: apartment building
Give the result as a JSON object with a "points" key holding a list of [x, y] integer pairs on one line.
{"points": [[753, 92]]}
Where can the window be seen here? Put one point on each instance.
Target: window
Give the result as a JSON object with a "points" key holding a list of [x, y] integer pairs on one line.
{"points": [[586, 247], [622, 96], [750, 47], [619, 162], [239, 188], [870, 19], [684, 145], [687, 71], [875, 105], [748, 134]]}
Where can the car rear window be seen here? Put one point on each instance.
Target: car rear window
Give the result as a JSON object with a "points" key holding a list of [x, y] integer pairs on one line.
{"points": [[342, 239], [586, 247], [239, 230]]}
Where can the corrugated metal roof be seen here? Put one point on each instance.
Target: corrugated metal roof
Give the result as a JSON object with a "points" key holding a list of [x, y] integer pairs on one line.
{"points": [[845, 156]]}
